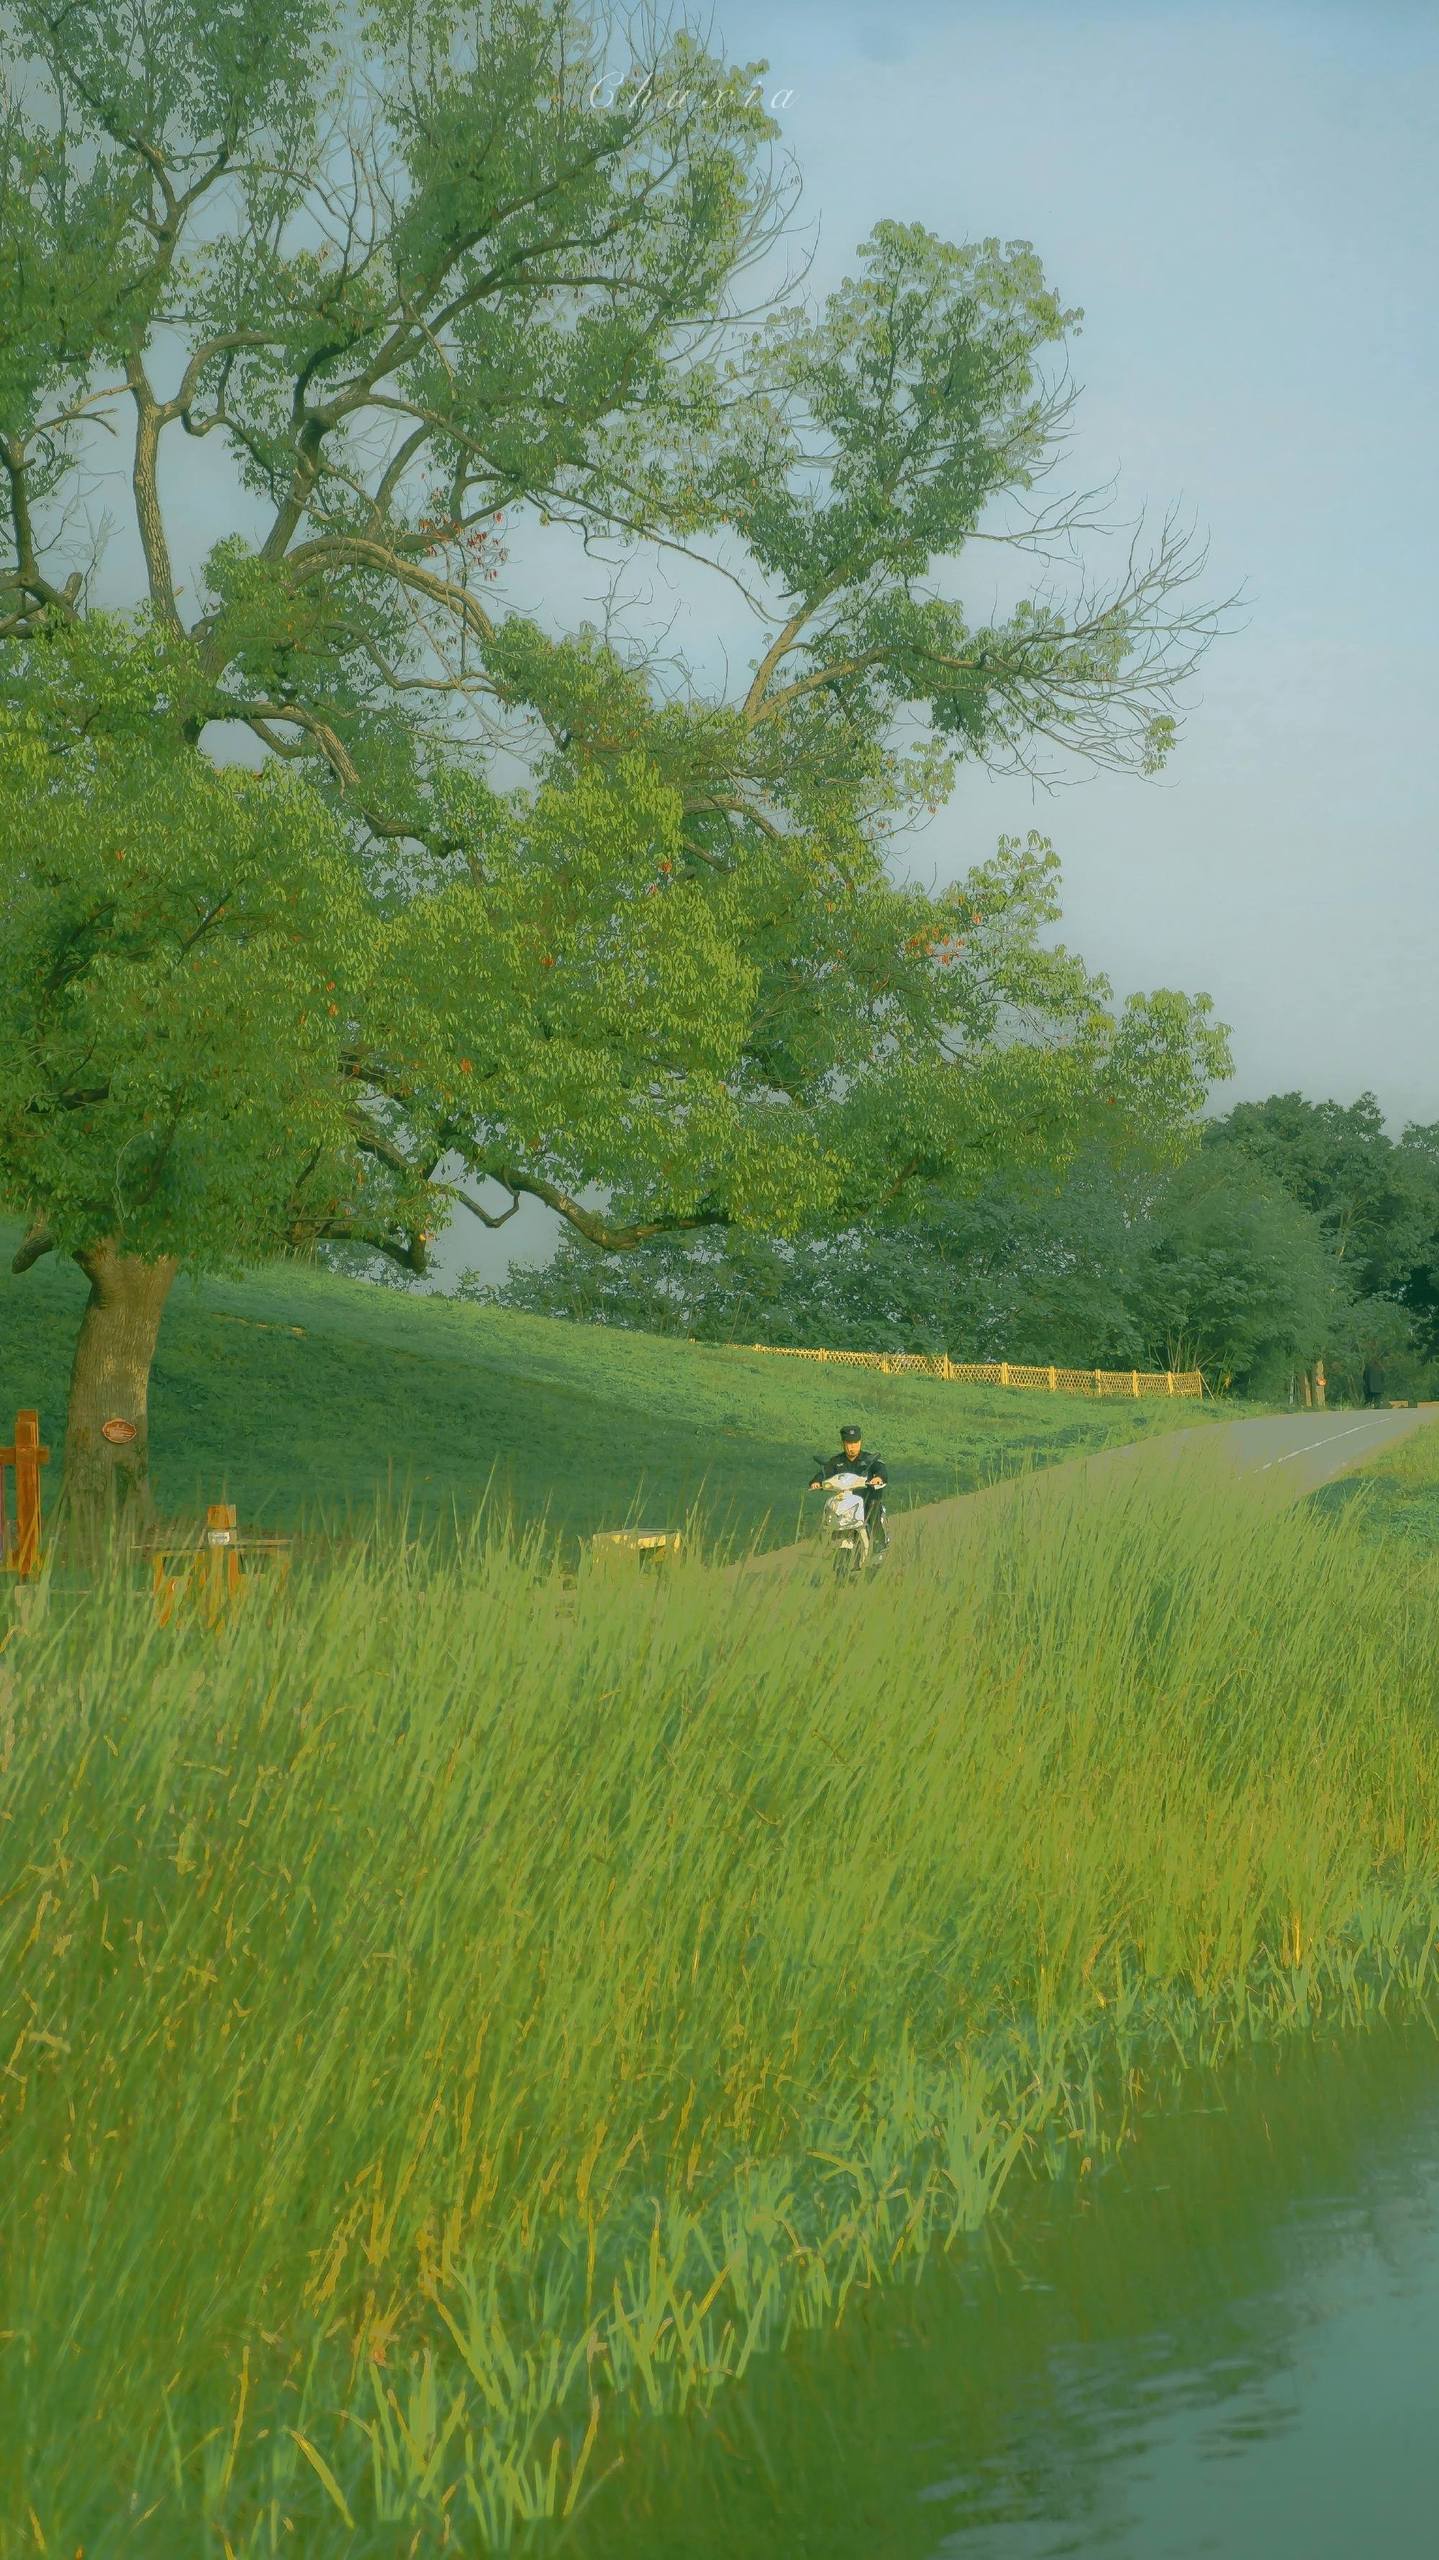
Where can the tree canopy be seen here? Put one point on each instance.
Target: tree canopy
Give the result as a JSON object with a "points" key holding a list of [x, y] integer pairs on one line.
{"points": [[522, 905], [1375, 1197]]}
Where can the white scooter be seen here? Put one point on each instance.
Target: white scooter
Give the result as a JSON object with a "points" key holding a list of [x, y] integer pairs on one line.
{"points": [[845, 1521]]}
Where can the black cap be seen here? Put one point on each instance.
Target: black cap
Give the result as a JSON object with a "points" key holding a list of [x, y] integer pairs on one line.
{"points": [[851, 1431]]}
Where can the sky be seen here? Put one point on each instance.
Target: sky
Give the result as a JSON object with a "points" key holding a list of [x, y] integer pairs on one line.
{"points": [[1246, 207]]}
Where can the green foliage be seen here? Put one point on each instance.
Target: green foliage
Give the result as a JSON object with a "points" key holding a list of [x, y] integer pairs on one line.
{"points": [[1377, 1199], [1235, 1279], [458, 2014], [1014, 1272], [1377, 1202], [895, 376], [588, 930], [177, 946], [210, 991]]}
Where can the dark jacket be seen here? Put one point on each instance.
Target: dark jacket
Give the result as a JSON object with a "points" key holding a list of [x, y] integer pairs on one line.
{"points": [[866, 1465]]}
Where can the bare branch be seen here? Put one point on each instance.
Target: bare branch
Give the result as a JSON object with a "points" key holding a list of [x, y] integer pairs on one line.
{"points": [[467, 1200]]}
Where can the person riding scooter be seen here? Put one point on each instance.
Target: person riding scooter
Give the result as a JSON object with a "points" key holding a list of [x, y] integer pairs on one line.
{"points": [[855, 1459]]}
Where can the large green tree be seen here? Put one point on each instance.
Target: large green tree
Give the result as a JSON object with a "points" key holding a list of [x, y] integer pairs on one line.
{"points": [[568, 917]]}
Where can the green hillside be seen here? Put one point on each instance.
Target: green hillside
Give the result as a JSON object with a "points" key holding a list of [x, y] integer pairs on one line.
{"points": [[297, 1395]]}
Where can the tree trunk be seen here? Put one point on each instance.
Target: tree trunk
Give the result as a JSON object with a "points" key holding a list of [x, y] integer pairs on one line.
{"points": [[107, 1481]]}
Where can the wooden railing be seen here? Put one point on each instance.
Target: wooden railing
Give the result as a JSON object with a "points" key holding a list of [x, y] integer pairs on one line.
{"points": [[1005, 1373]]}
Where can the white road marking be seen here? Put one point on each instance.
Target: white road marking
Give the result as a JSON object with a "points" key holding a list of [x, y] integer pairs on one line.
{"points": [[1329, 1438]]}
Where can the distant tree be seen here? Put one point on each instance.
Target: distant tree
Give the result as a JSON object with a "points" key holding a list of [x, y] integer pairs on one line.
{"points": [[439, 285], [1195, 1264], [1376, 1199], [1235, 1279]]}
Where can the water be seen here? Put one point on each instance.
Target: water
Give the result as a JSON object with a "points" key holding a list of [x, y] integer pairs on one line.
{"points": [[1230, 2346]]}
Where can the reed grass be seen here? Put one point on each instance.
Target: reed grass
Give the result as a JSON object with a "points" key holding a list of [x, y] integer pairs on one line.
{"points": [[458, 2006]]}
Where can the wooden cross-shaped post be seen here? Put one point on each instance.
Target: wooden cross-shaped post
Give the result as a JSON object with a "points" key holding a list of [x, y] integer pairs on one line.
{"points": [[220, 1556], [27, 1457]]}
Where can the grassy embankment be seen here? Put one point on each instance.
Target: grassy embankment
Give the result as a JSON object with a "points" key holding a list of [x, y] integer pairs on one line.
{"points": [[460, 2010], [295, 1395]]}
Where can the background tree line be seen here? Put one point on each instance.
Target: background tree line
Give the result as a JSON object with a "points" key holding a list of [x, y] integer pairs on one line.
{"points": [[1293, 1231]]}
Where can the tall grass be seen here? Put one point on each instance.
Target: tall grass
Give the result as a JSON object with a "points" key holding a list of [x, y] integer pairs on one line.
{"points": [[457, 2006]]}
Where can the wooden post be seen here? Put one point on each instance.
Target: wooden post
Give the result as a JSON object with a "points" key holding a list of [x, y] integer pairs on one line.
{"points": [[1004, 1373], [1169, 1380], [1053, 1380], [1098, 1389], [1134, 1380], [220, 1557], [27, 1457]]}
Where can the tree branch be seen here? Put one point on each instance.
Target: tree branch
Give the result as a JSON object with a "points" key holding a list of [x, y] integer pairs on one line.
{"points": [[144, 481], [594, 1228], [37, 1243]]}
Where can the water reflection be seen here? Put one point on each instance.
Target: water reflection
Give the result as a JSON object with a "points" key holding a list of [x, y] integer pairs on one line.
{"points": [[1230, 2347]]}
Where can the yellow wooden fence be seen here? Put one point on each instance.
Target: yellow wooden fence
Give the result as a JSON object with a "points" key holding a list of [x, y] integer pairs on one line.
{"points": [[1006, 1373]]}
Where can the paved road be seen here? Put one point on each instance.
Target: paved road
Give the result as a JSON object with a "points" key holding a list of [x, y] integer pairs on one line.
{"points": [[1316, 1446], [1285, 1454]]}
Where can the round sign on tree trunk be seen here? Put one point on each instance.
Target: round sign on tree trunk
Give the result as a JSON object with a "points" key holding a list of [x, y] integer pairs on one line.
{"points": [[115, 1429]]}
